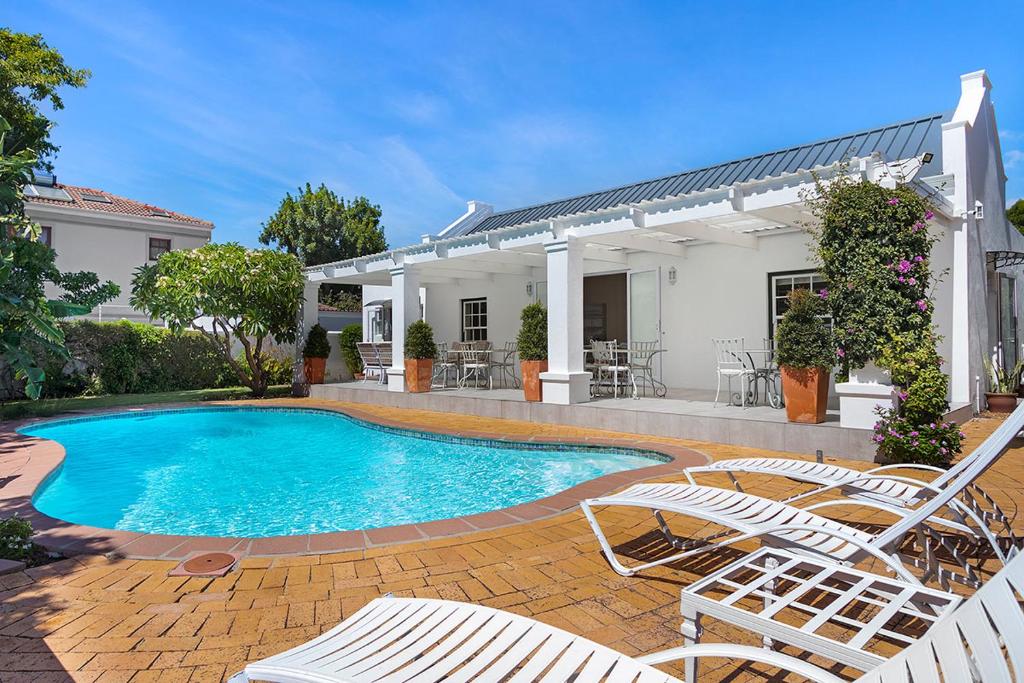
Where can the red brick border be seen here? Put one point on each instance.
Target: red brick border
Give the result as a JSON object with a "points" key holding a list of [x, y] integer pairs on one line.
{"points": [[25, 462]]}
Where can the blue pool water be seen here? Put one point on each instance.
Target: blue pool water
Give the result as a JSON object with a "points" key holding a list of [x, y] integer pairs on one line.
{"points": [[269, 472]]}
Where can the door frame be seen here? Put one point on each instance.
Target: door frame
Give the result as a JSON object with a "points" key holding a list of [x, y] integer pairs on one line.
{"points": [[659, 323]]}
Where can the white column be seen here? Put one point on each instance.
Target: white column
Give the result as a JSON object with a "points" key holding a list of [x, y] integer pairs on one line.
{"points": [[308, 315], [565, 381], [959, 336], [405, 310]]}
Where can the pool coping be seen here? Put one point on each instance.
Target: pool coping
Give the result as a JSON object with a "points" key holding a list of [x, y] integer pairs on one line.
{"points": [[27, 462]]}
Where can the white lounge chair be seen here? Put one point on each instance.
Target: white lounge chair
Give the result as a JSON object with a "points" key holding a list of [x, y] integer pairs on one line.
{"points": [[422, 640], [746, 516]]}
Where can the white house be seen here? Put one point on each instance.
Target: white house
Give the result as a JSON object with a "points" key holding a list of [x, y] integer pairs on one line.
{"points": [[709, 252], [109, 235]]}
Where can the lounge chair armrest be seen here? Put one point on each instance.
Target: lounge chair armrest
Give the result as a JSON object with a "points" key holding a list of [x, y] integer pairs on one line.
{"points": [[754, 654], [906, 466]]}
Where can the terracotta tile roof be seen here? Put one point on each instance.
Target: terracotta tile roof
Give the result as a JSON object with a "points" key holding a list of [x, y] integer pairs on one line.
{"points": [[116, 204]]}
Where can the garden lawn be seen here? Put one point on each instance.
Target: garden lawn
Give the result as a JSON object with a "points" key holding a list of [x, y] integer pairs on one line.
{"points": [[53, 406]]}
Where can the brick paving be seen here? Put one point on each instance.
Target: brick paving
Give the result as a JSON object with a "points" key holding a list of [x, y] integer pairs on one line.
{"points": [[90, 618]]}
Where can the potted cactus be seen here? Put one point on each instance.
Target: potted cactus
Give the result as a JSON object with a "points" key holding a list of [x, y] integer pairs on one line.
{"points": [[806, 352], [420, 351], [533, 349], [315, 353]]}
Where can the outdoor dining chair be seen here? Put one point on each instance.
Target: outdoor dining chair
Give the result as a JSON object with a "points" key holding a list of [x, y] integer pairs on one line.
{"points": [[641, 365], [505, 364], [476, 363], [729, 363], [445, 363], [610, 365]]}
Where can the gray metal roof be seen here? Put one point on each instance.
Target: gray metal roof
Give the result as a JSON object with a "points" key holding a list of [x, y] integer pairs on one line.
{"points": [[901, 140]]}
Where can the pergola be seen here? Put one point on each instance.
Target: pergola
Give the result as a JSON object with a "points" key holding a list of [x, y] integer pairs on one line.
{"points": [[562, 250]]}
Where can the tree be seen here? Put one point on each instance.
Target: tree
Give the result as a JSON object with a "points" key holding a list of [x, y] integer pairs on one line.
{"points": [[27, 319], [31, 72], [1016, 214], [248, 296], [318, 227]]}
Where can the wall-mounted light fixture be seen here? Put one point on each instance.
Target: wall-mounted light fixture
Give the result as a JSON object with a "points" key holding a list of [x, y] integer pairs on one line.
{"points": [[529, 289], [672, 274]]}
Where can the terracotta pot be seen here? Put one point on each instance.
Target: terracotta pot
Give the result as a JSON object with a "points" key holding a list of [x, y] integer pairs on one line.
{"points": [[531, 369], [806, 392], [315, 368], [1001, 403], [418, 372], [359, 376]]}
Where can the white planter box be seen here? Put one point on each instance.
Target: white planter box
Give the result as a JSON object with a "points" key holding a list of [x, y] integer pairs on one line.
{"points": [[868, 388]]}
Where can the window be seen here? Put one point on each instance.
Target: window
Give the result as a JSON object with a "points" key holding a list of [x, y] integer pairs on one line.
{"points": [[157, 247], [781, 284], [46, 235], [474, 319]]}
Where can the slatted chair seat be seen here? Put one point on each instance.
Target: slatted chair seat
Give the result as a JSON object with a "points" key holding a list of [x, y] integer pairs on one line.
{"points": [[801, 530]]}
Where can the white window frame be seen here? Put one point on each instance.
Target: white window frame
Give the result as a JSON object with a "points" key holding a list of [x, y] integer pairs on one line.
{"points": [[46, 230], [472, 307], [816, 283]]}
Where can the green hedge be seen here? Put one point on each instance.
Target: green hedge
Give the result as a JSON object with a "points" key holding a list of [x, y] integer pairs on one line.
{"points": [[129, 358]]}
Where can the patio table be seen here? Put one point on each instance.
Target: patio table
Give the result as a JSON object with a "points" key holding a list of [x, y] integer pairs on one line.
{"points": [[631, 356], [490, 352]]}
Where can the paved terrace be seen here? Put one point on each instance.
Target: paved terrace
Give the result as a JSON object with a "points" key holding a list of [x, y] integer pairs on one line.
{"points": [[91, 618]]}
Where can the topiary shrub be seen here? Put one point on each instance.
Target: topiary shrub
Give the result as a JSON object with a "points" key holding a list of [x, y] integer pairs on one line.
{"points": [[419, 341], [15, 538], [347, 340], [533, 333], [317, 345], [804, 340]]}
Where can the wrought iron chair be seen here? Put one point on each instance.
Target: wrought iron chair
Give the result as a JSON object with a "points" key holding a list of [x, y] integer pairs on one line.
{"points": [[505, 364], [641, 365], [608, 363], [476, 363], [445, 363], [729, 364]]}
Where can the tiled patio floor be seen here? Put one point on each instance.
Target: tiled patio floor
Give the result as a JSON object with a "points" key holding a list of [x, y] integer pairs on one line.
{"points": [[97, 619]]}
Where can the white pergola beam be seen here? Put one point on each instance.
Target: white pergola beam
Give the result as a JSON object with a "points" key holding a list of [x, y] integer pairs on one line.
{"points": [[701, 231], [639, 243]]}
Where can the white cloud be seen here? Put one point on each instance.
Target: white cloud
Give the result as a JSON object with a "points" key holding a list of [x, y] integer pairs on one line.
{"points": [[1012, 157]]}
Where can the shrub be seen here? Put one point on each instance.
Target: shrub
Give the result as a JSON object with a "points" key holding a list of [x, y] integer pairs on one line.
{"points": [[347, 340], [804, 340], [278, 367], [317, 345], [419, 341], [15, 538], [902, 441], [873, 249], [533, 333]]}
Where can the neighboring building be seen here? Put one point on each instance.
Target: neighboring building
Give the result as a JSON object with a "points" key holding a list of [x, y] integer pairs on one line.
{"points": [[710, 252], [109, 235]]}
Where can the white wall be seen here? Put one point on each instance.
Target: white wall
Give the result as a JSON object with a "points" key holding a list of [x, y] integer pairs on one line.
{"points": [[110, 247]]}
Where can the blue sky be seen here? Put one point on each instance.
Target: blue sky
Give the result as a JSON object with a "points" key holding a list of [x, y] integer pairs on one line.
{"points": [[217, 109]]}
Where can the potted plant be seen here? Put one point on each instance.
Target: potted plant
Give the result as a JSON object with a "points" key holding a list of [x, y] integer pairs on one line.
{"points": [[1002, 394], [533, 349], [347, 340], [805, 352], [420, 351], [315, 353]]}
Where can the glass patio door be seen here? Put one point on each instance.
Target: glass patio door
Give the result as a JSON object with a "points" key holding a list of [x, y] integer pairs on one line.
{"points": [[1008, 321], [644, 300]]}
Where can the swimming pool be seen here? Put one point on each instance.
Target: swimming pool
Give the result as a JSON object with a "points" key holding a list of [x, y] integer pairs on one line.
{"points": [[258, 472]]}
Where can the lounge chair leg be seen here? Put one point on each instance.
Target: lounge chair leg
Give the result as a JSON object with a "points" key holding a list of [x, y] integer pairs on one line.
{"points": [[770, 565], [692, 631]]}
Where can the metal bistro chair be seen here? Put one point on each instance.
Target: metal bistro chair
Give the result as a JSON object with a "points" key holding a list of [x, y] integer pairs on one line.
{"points": [[769, 375], [729, 364], [607, 361], [641, 365], [505, 364], [384, 358], [368, 354], [476, 363], [444, 364]]}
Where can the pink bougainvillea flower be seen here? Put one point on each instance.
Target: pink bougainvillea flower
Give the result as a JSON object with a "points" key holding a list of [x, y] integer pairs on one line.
{"points": [[912, 281], [894, 201], [928, 215], [905, 266], [823, 293], [840, 352], [922, 305], [918, 259], [902, 279]]}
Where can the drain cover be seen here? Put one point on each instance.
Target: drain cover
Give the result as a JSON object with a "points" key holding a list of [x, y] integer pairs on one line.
{"points": [[208, 563]]}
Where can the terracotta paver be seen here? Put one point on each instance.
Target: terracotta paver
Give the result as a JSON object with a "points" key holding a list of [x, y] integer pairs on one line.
{"points": [[95, 618]]}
